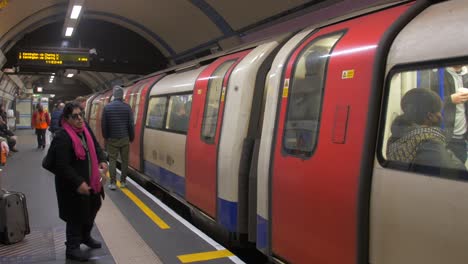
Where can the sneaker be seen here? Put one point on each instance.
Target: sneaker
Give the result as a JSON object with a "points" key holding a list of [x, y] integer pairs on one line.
{"points": [[112, 187], [123, 184]]}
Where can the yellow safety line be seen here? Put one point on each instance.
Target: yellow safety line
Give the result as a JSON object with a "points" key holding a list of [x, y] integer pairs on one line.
{"points": [[156, 219], [205, 256]]}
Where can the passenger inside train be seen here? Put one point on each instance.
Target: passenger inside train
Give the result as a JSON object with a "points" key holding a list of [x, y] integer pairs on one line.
{"points": [[428, 134], [452, 89], [157, 109], [179, 111]]}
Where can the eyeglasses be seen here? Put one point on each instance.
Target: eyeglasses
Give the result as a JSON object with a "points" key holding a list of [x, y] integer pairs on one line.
{"points": [[75, 116]]}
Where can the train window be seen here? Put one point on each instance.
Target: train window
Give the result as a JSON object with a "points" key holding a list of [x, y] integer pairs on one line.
{"points": [[426, 122], [307, 84], [156, 112], [213, 99], [179, 112]]}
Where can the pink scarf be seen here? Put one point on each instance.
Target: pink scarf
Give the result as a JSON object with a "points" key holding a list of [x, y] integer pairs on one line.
{"points": [[81, 154]]}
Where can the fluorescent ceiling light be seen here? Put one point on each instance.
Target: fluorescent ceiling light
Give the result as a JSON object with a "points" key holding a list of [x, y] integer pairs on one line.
{"points": [[69, 32], [39, 89], [52, 77], [70, 75], [50, 81], [75, 12]]}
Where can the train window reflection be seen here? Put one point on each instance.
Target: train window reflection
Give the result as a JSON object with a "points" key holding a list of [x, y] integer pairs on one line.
{"points": [[94, 110], [156, 112], [307, 85], [426, 121], [213, 99], [179, 112]]}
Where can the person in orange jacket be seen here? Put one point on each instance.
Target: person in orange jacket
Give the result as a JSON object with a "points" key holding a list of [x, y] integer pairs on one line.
{"points": [[40, 121]]}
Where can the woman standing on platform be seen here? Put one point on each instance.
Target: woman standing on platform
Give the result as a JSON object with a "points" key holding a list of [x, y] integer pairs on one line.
{"points": [[78, 161]]}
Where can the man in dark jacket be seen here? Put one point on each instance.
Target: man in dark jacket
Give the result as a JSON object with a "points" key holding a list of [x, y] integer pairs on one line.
{"points": [[417, 142], [55, 119], [118, 131], [455, 96]]}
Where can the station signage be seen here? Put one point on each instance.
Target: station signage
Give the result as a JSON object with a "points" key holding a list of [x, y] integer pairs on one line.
{"points": [[53, 58]]}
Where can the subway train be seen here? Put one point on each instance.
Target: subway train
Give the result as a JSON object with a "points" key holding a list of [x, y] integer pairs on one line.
{"points": [[284, 142]]}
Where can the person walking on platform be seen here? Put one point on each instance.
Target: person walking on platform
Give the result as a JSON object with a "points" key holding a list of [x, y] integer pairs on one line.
{"points": [[40, 121], [118, 131], [55, 119], [78, 161]]}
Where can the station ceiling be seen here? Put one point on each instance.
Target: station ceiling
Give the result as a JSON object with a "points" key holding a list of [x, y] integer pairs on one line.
{"points": [[132, 38]]}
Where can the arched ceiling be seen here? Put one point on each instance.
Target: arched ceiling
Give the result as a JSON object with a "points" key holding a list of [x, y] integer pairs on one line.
{"points": [[141, 36]]}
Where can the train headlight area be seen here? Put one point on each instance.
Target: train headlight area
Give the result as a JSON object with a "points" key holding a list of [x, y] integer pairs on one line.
{"points": [[134, 226]]}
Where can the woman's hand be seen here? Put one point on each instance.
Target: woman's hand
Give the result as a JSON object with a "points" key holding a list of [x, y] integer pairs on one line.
{"points": [[84, 189]]}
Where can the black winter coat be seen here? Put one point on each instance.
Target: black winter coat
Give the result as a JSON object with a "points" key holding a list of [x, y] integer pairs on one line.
{"points": [[69, 175], [424, 150]]}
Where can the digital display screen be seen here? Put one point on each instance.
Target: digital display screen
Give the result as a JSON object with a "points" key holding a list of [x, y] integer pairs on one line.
{"points": [[53, 58]]}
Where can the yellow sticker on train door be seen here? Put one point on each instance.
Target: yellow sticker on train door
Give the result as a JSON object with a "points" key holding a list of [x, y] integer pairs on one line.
{"points": [[285, 88], [347, 74], [199, 91], [223, 93]]}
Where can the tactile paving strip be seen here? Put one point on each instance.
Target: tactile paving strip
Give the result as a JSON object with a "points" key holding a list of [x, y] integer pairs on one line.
{"points": [[38, 246]]}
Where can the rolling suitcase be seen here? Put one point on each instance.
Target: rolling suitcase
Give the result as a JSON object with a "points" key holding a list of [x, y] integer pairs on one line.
{"points": [[14, 220]]}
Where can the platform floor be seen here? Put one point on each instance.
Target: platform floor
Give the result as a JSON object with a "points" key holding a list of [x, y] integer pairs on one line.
{"points": [[134, 226]]}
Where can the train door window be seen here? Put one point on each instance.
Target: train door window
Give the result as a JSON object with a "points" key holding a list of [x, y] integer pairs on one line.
{"points": [[425, 123], [179, 112], [137, 102], [94, 110], [156, 112], [213, 99], [131, 102], [307, 85]]}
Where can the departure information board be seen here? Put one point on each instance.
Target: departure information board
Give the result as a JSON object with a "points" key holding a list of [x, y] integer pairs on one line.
{"points": [[53, 58]]}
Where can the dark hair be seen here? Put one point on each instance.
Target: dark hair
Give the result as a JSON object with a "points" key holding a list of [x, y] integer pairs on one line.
{"points": [[417, 103], [68, 109]]}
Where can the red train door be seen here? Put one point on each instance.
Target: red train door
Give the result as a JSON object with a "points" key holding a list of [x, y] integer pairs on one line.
{"points": [[319, 143], [203, 133]]}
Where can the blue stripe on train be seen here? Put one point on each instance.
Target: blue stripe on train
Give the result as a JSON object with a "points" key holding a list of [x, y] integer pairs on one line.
{"points": [[227, 211], [262, 233], [227, 214], [165, 178]]}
